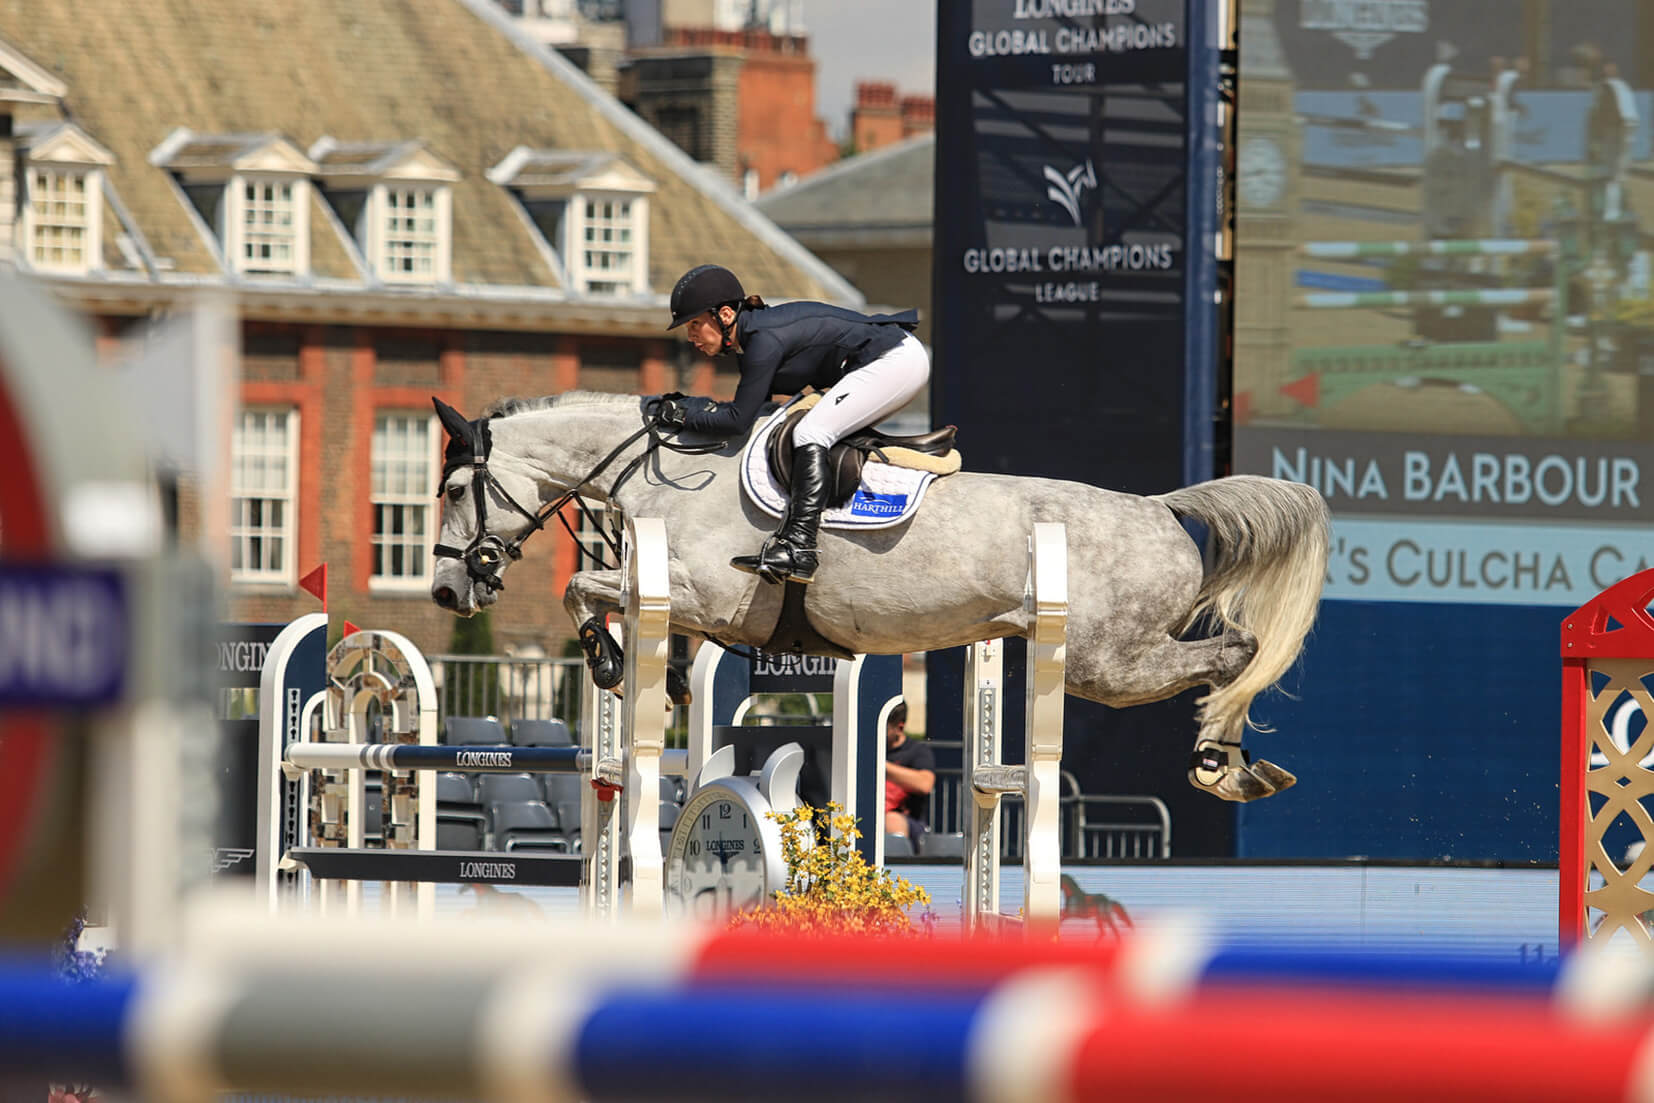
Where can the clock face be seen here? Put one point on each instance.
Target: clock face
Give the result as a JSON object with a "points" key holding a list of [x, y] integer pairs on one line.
{"points": [[1262, 170], [719, 860]]}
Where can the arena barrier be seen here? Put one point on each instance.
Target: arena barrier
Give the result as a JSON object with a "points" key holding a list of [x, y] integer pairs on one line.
{"points": [[1038, 780], [483, 1009]]}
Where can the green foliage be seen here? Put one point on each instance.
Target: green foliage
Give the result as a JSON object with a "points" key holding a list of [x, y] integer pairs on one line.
{"points": [[830, 887], [472, 635], [471, 689]]}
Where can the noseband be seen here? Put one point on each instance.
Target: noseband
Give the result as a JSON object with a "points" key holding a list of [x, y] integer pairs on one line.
{"points": [[486, 555]]}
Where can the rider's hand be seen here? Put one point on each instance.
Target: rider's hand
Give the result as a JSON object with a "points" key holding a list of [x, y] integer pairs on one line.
{"points": [[672, 412]]}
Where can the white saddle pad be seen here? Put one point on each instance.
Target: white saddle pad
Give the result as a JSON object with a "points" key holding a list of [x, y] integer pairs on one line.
{"points": [[888, 495]]}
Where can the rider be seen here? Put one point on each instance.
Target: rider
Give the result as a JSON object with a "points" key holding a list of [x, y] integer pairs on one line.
{"points": [[869, 366]]}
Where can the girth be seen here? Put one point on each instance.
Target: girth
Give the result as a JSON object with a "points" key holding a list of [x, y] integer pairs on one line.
{"points": [[846, 458]]}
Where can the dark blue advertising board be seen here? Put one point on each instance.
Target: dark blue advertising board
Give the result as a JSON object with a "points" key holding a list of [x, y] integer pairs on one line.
{"points": [[64, 636], [1075, 226]]}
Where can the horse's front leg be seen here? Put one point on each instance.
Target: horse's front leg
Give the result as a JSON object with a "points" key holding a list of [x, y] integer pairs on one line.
{"points": [[590, 598]]}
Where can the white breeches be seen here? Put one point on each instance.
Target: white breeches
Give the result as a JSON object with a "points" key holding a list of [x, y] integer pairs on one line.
{"points": [[867, 395]]}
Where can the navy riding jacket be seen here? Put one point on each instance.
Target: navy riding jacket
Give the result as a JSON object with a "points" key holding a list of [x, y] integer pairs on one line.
{"points": [[788, 347]]}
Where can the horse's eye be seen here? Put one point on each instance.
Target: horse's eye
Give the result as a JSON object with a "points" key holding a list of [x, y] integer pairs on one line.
{"points": [[455, 493]]}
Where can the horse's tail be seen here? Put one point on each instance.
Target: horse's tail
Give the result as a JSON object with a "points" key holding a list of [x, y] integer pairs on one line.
{"points": [[1269, 546]]}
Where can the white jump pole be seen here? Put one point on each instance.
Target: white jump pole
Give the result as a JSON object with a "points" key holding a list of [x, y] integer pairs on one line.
{"points": [[648, 604], [984, 692], [600, 733], [1047, 655], [1039, 779]]}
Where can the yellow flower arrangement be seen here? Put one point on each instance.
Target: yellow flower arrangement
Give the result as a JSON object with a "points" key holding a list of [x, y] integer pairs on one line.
{"points": [[830, 887]]}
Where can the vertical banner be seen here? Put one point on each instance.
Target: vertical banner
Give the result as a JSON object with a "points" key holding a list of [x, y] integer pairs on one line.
{"points": [[1069, 245], [1061, 245]]}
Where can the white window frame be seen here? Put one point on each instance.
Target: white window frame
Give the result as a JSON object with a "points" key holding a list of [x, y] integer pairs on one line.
{"points": [[91, 226], [591, 550], [380, 238], [576, 222], [288, 574], [234, 233], [424, 499]]}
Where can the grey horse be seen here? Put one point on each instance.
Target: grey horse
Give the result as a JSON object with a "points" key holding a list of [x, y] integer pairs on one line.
{"points": [[951, 576]]}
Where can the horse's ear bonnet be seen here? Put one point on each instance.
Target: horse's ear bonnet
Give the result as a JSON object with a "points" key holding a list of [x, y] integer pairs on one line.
{"points": [[467, 440]]}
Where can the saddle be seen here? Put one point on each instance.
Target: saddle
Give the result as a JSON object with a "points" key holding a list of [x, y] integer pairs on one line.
{"points": [[932, 451]]}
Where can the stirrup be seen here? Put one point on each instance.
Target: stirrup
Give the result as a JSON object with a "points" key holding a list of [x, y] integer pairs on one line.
{"points": [[799, 565]]}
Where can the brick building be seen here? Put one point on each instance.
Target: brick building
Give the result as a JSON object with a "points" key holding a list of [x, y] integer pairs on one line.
{"points": [[870, 216], [405, 200], [880, 118], [742, 101]]}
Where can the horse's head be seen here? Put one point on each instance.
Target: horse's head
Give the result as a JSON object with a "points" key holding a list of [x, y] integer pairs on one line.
{"points": [[484, 516]]}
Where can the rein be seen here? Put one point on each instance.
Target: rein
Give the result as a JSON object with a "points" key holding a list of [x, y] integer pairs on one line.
{"points": [[485, 555]]}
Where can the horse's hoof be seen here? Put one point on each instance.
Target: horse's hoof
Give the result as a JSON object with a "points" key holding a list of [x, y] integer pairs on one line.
{"points": [[1240, 787], [603, 656], [1273, 776]]}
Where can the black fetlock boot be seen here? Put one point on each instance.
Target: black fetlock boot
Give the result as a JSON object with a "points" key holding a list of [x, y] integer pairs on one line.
{"points": [[790, 555]]}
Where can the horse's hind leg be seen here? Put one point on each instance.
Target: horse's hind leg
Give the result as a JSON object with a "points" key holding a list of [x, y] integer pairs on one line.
{"points": [[1159, 671], [1218, 764]]}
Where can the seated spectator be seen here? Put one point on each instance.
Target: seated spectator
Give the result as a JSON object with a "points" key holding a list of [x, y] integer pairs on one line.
{"points": [[909, 776]]}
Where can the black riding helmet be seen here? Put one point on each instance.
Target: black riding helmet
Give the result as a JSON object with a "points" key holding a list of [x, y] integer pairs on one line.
{"points": [[703, 288]]}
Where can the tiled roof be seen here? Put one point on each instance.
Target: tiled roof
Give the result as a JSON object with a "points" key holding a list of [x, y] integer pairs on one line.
{"points": [[888, 189], [452, 74]]}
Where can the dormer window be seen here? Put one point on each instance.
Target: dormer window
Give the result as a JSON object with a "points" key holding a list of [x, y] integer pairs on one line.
{"points": [[591, 214], [252, 192], [63, 202], [269, 226], [411, 237], [396, 200], [608, 261]]}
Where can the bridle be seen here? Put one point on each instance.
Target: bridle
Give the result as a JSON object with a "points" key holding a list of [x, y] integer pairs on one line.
{"points": [[486, 555]]}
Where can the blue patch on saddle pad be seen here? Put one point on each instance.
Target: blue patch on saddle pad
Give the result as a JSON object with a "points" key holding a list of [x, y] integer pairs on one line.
{"points": [[888, 494], [867, 503]]}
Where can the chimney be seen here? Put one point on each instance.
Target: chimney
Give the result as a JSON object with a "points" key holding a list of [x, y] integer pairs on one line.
{"points": [[918, 115], [876, 119]]}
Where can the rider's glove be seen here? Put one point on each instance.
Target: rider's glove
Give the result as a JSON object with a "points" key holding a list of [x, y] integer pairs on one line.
{"points": [[673, 412], [674, 409]]}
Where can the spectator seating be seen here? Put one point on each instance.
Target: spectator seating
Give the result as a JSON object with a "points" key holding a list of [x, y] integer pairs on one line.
{"points": [[458, 835], [526, 825], [472, 730], [495, 788], [541, 733], [934, 844], [898, 846], [563, 793]]}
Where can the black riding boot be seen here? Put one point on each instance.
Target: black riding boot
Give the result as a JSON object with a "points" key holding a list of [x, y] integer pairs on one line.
{"points": [[790, 555]]}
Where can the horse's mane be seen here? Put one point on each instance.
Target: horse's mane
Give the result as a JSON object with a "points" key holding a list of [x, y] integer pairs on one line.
{"points": [[507, 407]]}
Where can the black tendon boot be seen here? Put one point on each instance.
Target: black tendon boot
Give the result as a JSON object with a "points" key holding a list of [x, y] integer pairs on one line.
{"points": [[790, 555]]}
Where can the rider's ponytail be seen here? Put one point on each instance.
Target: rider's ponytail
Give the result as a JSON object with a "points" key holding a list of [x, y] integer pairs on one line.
{"points": [[752, 302]]}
